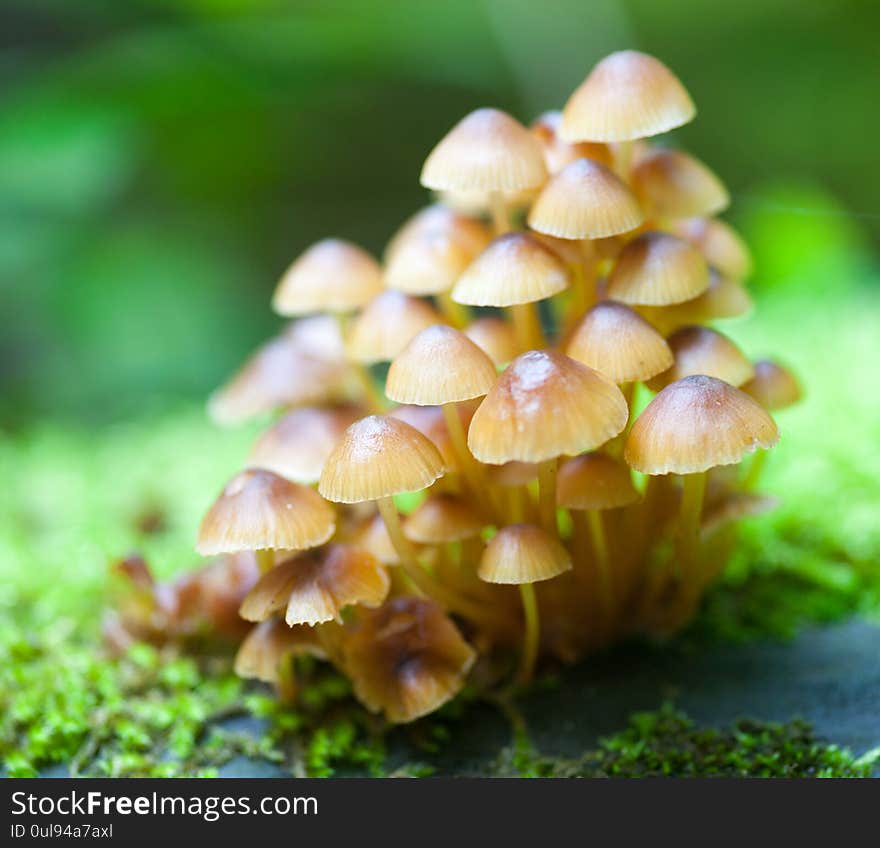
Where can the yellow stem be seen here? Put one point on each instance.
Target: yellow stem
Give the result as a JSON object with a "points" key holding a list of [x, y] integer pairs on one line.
{"points": [[623, 152], [520, 314], [265, 560], [499, 212], [374, 399], [547, 495], [754, 472], [603, 562], [693, 491], [456, 314], [532, 634]]}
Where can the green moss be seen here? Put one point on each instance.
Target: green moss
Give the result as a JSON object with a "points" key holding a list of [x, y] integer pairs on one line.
{"points": [[666, 743]]}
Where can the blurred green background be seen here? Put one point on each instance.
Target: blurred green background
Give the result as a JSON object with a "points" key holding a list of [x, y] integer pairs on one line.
{"points": [[161, 162]]}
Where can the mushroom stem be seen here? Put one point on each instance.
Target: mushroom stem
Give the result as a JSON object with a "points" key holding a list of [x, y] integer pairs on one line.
{"points": [[500, 215], [547, 495], [599, 542], [424, 583], [623, 154], [374, 399], [469, 466], [454, 313], [750, 480], [532, 634], [693, 490], [265, 560], [524, 322]]}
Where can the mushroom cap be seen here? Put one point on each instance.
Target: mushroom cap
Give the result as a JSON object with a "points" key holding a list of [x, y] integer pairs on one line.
{"points": [[265, 647], [315, 586], [619, 343], [570, 251], [585, 200], [495, 336], [773, 385], [331, 276], [443, 518], [440, 365], [258, 510], [431, 422], [514, 268], [696, 424], [373, 537], [595, 481], [486, 151], [377, 457], [627, 95], [296, 445], [701, 350], [559, 153], [658, 269], [386, 326], [406, 658], [545, 405], [440, 220], [304, 364], [722, 246], [512, 474], [673, 184], [522, 553], [725, 298]]}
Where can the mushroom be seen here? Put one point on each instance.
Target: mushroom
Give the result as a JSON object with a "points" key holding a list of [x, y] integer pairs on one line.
{"points": [[673, 184], [722, 246], [262, 512], [406, 658], [495, 336], [559, 153], [701, 350]]}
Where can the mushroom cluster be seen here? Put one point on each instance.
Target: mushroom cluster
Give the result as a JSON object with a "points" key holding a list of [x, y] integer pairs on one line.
{"points": [[503, 497]]}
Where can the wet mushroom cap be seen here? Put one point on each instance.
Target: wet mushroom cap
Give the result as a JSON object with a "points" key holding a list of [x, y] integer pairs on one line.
{"points": [[486, 151], [595, 481], [297, 445], [512, 422], [444, 518], [673, 184], [377, 457], [585, 200], [702, 350], [269, 643], [628, 95], [495, 336], [314, 587], [514, 268], [331, 276], [406, 658], [387, 325], [773, 385], [440, 365], [523, 553], [658, 269], [619, 343], [259, 510], [696, 424]]}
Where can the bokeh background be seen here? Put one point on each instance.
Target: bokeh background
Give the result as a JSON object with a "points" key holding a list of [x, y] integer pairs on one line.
{"points": [[161, 162]]}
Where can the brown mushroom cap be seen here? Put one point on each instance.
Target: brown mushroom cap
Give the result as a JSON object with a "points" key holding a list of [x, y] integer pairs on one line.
{"points": [[486, 151], [377, 457], [673, 184], [444, 518], [406, 659], [514, 268], [495, 336], [658, 269], [296, 446], [545, 405], [701, 350], [439, 220], [695, 424], [522, 553], [585, 200], [387, 325], [559, 153], [259, 510], [266, 646], [773, 385], [331, 276], [594, 481], [431, 422], [315, 586], [440, 365], [619, 343], [304, 364], [719, 243], [628, 95], [373, 537]]}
